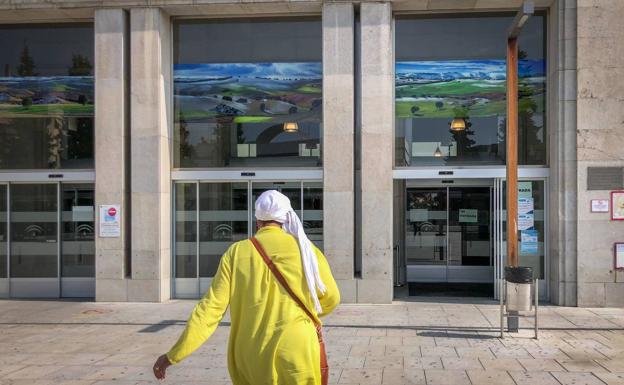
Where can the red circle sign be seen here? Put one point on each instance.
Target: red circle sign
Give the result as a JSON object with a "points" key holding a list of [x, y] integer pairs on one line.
{"points": [[112, 212]]}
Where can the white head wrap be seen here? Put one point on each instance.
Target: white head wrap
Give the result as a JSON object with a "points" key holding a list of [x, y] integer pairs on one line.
{"points": [[272, 205]]}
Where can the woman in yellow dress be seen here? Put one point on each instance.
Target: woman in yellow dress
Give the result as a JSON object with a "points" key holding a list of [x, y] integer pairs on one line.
{"points": [[272, 340]]}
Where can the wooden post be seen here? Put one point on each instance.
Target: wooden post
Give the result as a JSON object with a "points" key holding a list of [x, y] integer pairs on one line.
{"points": [[512, 152]]}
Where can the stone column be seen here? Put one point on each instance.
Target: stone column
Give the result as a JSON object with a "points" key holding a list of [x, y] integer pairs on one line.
{"points": [[562, 153], [377, 133], [150, 148], [111, 145], [338, 137]]}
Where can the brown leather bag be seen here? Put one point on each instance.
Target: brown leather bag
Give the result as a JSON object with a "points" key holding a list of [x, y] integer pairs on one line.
{"points": [[280, 278]]}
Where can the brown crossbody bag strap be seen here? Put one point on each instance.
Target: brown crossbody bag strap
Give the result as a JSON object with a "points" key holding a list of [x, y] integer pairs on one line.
{"points": [[280, 278]]}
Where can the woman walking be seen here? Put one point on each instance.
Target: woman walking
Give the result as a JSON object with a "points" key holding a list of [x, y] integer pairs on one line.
{"points": [[273, 336]]}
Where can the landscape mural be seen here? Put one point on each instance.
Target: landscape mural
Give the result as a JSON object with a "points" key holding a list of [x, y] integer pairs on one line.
{"points": [[465, 88], [249, 92]]}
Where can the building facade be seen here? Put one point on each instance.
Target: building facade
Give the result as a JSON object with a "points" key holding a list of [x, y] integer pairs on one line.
{"points": [[135, 136]]}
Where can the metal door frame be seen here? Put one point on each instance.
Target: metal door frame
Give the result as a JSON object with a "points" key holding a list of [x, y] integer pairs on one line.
{"points": [[195, 287], [473, 271]]}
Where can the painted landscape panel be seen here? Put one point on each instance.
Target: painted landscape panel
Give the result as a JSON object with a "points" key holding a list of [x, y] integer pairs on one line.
{"points": [[249, 92], [465, 88], [42, 96]]}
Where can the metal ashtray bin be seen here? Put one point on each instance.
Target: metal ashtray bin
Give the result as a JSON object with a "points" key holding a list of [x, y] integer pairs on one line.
{"points": [[516, 295]]}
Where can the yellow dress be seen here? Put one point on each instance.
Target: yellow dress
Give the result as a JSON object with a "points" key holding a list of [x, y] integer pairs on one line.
{"points": [[272, 341]]}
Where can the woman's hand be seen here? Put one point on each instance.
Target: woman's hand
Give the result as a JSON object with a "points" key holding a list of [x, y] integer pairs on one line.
{"points": [[160, 367]]}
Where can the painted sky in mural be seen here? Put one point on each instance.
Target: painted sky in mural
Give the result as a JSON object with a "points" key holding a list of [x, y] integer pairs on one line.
{"points": [[249, 92], [464, 88]]}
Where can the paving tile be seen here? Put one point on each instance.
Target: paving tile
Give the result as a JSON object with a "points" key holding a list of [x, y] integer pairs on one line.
{"points": [[390, 362], [422, 363], [577, 378], [474, 351], [351, 362], [539, 365], [438, 351], [367, 350], [446, 377], [533, 378], [361, 376], [461, 363], [403, 377], [615, 365], [490, 377], [581, 366], [611, 378], [500, 364]]}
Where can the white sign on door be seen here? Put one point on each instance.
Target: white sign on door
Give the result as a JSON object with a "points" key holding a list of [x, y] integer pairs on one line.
{"points": [[110, 222]]}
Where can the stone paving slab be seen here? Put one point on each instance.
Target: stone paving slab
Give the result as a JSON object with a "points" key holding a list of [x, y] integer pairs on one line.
{"points": [[425, 342]]}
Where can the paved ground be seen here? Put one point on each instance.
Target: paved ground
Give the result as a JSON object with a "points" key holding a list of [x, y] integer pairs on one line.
{"points": [[429, 341]]}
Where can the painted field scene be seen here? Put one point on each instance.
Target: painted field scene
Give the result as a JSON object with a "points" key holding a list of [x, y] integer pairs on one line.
{"points": [[465, 88], [41, 96], [248, 92]]}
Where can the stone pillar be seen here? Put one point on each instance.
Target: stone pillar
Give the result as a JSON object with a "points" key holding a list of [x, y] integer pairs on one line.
{"points": [[111, 145], [338, 137], [377, 135], [599, 140], [150, 68]]}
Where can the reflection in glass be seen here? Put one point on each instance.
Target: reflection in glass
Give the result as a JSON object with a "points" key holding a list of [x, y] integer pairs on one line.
{"points": [[426, 227], [78, 247], [223, 219], [34, 238], [446, 81], [313, 212], [247, 94], [46, 96], [186, 230], [291, 189], [469, 226], [3, 231]]}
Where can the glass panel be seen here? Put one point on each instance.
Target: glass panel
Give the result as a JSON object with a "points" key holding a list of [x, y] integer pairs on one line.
{"points": [[469, 226], [450, 92], [247, 93], [34, 221], [186, 230], [78, 247], [46, 96], [426, 227], [3, 231], [313, 212], [291, 189], [223, 219], [531, 225]]}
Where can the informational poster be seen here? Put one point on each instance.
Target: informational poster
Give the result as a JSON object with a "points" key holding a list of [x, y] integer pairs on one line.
{"points": [[599, 205], [110, 223], [617, 205], [526, 218], [529, 242], [525, 189], [619, 255], [468, 215], [419, 215]]}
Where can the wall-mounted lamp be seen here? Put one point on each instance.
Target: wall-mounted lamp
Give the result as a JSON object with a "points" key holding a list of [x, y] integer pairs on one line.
{"points": [[437, 153], [458, 124], [291, 127]]}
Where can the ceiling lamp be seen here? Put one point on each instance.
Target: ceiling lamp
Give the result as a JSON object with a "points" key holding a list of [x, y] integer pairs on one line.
{"points": [[458, 124], [291, 127], [437, 153]]}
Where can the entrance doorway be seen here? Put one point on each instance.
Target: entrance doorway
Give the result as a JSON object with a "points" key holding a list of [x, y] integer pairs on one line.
{"points": [[448, 237], [212, 215]]}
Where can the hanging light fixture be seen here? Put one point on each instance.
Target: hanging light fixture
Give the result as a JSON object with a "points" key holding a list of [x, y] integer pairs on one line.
{"points": [[291, 127], [437, 153], [458, 124]]}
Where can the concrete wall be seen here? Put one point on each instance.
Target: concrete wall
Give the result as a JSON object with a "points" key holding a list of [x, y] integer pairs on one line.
{"points": [[600, 138]]}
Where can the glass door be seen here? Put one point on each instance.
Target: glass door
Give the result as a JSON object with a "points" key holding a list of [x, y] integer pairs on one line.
{"points": [[4, 244], [426, 234], [34, 268], [210, 216]]}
